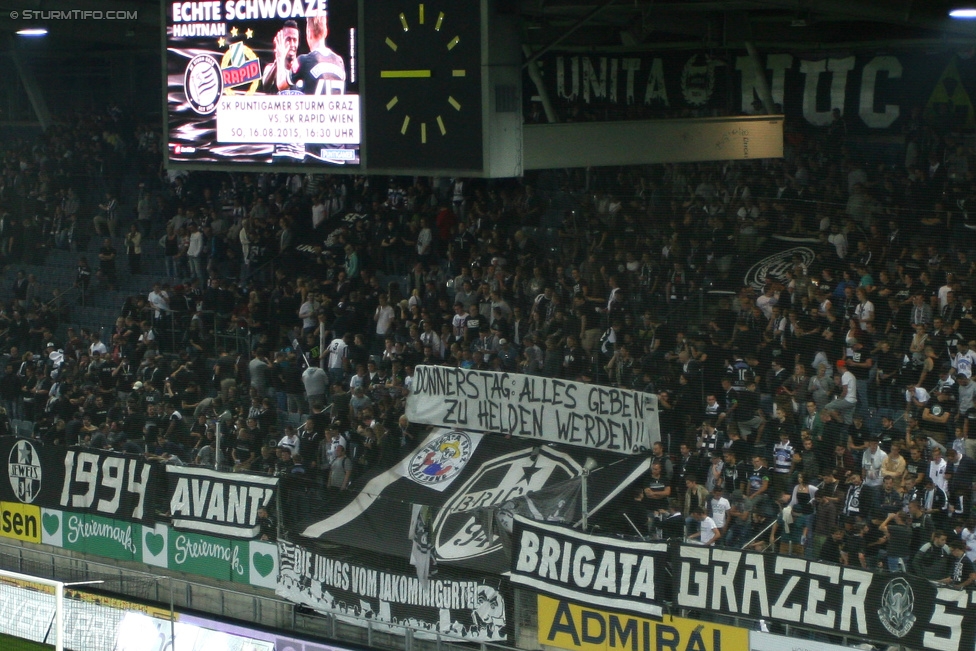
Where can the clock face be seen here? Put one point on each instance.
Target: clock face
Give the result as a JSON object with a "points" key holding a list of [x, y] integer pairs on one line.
{"points": [[423, 76]]}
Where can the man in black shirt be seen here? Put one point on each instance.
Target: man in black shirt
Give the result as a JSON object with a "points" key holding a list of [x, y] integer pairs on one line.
{"points": [[688, 465], [747, 415], [473, 325], [855, 546], [899, 543], [83, 277], [106, 264], [733, 474], [931, 559], [832, 550], [245, 451], [657, 491], [915, 465], [961, 570], [852, 501]]}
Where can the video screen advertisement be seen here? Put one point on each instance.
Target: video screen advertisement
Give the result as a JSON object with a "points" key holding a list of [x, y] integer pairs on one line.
{"points": [[263, 82]]}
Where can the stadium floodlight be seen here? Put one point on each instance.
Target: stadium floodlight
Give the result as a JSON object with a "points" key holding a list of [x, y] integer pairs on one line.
{"points": [[967, 12], [32, 31]]}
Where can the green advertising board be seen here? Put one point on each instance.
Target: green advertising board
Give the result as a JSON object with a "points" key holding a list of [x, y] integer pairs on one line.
{"points": [[92, 534], [249, 562], [217, 558]]}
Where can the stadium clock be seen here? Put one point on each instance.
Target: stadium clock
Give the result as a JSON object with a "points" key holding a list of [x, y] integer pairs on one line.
{"points": [[424, 80]]}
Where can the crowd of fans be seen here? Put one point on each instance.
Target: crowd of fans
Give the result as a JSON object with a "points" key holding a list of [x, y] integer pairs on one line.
{"points": [[826, 411]]}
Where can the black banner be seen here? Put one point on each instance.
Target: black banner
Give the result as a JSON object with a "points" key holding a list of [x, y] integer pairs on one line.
{"points": [[452, 606], [898, 609], [595, 570], [217, 503], [874, 92], [88, 480], [486, 476]]}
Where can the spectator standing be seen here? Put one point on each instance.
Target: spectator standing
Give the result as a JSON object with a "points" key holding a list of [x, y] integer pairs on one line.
{"points": [[133, 250]]}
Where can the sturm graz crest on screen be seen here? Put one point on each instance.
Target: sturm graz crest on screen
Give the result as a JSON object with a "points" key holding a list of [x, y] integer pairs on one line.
{"points": [[203, 84]]}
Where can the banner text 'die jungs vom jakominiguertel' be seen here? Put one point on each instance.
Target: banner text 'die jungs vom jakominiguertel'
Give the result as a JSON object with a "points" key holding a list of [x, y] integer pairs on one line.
{"points": [[599, 571], [899, 609], [450, 604], [544, 409]]}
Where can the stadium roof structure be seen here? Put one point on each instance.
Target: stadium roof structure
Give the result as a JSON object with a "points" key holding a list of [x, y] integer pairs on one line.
{"points": [[610, 26]]}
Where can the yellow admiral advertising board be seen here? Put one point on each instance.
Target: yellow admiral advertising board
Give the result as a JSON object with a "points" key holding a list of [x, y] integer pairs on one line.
{"points": [[570, 626]]}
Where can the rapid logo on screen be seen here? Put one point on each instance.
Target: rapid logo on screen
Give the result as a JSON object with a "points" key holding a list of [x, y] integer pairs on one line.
{"points": [[24, 471]]}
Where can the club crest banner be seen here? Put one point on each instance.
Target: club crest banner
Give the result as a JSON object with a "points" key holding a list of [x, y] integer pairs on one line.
{"points": [[465, 489]]}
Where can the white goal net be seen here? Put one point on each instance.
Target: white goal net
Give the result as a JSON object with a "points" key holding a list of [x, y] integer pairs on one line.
{"points": [[57, 614]]}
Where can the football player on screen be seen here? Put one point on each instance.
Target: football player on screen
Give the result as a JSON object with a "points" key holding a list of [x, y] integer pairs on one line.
{"points": [[321, 71], [277, 74]]}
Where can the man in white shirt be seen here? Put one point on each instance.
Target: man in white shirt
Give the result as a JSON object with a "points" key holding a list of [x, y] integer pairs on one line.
{"points": [[864, 312], [318, 211], [307, 314], [194, 254], [871, 462], [708, 533], [337, 354], [937, 469], [430, 338], [964, 359], [290, 440], [96, 345], [766, 302], [718, 506], [459, 321], [159, 299], [916, 397], [846, 402], [384, 318]]}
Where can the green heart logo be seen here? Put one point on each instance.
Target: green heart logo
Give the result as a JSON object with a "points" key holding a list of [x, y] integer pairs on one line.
{"points": [[263, 563], [51, 523], [154, 543]]}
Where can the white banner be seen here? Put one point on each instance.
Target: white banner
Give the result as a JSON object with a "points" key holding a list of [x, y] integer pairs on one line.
{"points": [[321, 119], [548, 409], [218, 503]]}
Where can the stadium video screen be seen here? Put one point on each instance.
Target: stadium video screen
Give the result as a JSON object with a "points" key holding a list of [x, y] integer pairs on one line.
{"points": [[263, 82]]}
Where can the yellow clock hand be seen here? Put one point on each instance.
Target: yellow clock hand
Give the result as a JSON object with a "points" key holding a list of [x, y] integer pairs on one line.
{"points": [[404, 74]]}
